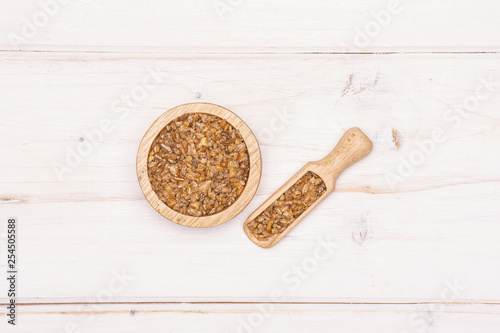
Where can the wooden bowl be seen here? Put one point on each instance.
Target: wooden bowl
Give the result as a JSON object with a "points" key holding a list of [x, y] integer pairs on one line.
{"points": [[253, 177]]}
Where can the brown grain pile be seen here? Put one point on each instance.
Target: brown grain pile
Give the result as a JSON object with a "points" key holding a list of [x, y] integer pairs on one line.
{"points": [[198, 165], [289, 206]]}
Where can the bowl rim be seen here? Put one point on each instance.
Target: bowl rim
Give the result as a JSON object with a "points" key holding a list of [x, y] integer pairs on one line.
{"points": [[253, 178]]}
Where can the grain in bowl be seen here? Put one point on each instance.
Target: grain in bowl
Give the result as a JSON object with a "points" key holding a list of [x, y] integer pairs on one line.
{"points": [[199, 165]]}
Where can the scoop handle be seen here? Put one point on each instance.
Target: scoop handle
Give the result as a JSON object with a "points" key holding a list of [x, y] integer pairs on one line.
{"points": [[352, 147]]}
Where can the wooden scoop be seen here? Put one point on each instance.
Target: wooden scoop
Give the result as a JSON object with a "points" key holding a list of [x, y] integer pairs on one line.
{"points": [[277, 212]]}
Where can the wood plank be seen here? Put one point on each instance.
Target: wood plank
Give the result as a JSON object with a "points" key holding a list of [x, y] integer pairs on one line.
{"points": [[230, 26], [97, 318], [405, 242]]}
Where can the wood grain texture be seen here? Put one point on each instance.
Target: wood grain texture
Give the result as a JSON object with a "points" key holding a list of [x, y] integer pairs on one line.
{"points": [[394, 318], [241, 26], [396, 244], [352, 147], [408, 242], [253, 176]]}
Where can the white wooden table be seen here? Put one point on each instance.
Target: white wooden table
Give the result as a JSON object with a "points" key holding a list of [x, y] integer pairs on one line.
{"points": [[409, 242]]}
